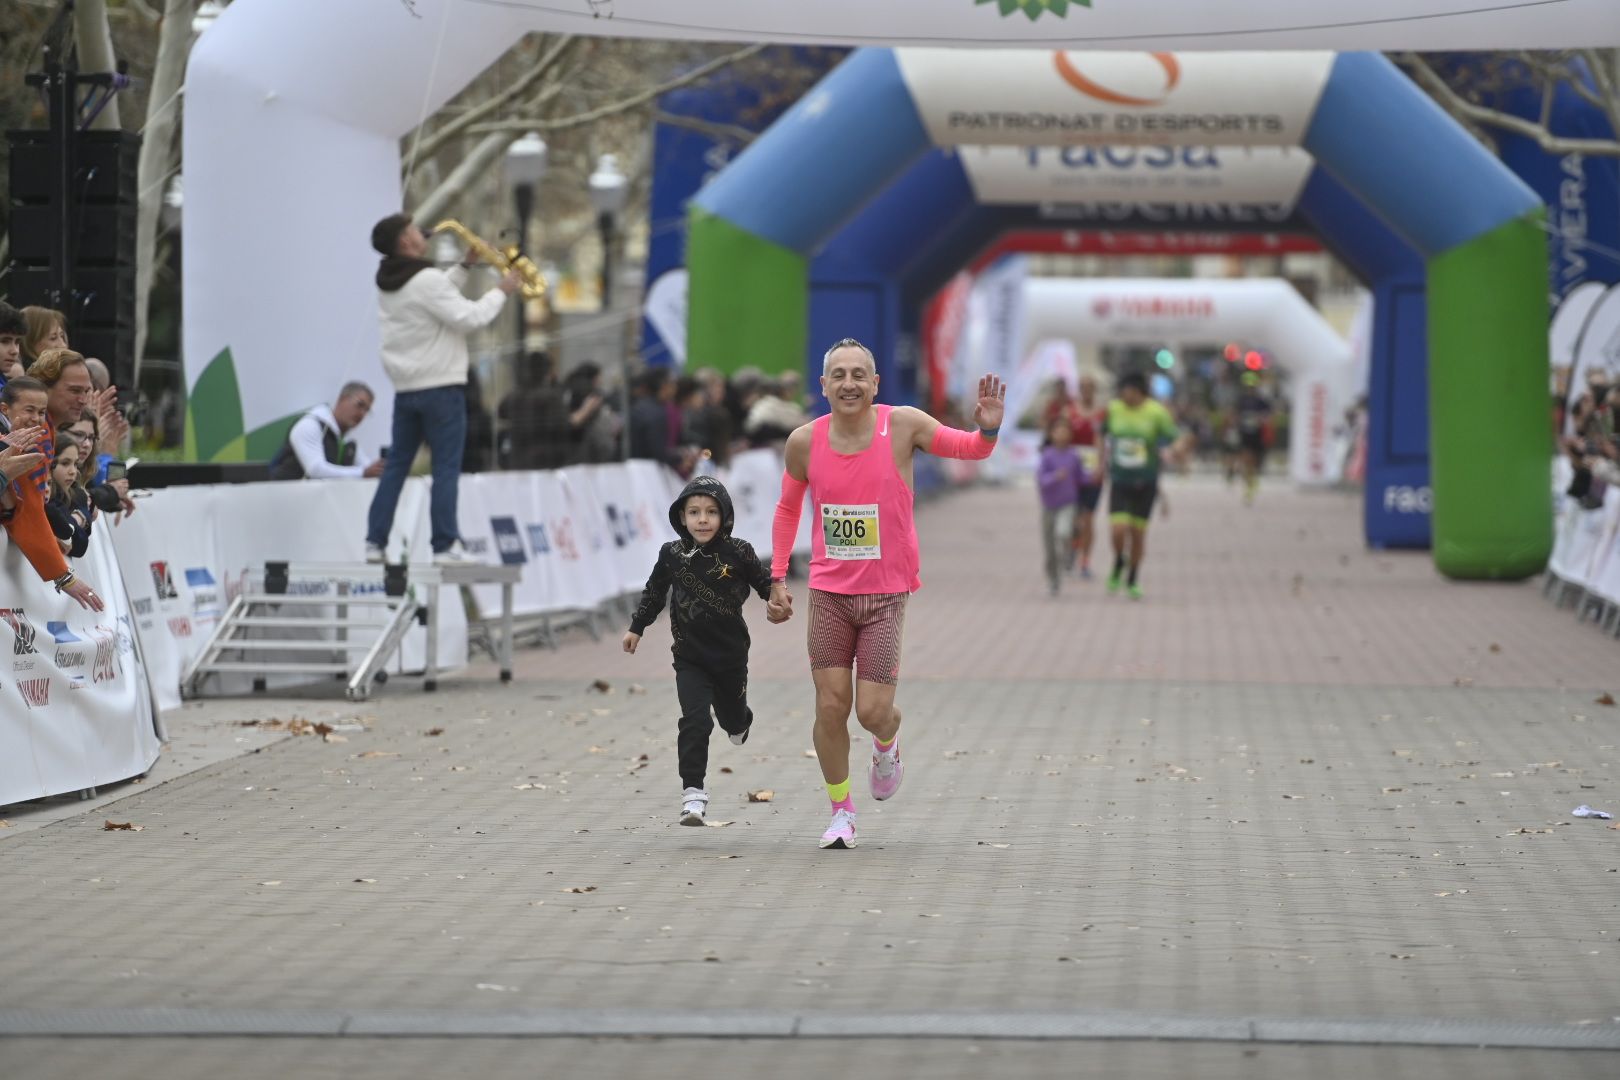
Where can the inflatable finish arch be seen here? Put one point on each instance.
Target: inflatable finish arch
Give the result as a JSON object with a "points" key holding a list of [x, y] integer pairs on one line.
{"points": [[753, 229], [1267, 312]]}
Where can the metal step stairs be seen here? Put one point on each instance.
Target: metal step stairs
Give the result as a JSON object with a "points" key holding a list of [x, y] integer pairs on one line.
{"points": [[329, 628]]}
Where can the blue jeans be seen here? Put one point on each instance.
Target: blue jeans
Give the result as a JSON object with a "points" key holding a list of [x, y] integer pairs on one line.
{"points": [[438, 416]]}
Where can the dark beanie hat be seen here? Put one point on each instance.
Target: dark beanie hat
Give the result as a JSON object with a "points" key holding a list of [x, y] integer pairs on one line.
{"points": [[385, 234]]}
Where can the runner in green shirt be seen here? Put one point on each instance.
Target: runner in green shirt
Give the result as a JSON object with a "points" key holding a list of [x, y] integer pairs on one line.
{"points": [[1140, 431]]}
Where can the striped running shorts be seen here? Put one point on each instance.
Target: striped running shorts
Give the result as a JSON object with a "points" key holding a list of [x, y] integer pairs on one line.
{"points": [[861, 632]]}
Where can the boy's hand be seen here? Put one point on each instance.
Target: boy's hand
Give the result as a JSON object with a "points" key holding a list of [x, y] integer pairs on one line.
{"points": [[779, 608], [631, 640]]}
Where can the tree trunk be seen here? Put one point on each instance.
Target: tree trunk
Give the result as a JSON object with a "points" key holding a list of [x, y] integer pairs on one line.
{"points": [[159, 151], [94, 37]]}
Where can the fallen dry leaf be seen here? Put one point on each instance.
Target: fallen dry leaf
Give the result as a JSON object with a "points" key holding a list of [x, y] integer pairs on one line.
{"points": [[458, 768], [1293, 796], [434, 731], [332, 736], [637, 688], [1393, 790], [270, 882], [1495, 647], [717, 824], [378, 753], [872, 911], [728, 856], [920, 915], [809, 753], [1606, 699], [365, 881], [580, 888], [763, 795], [602, 686], [121, 826], [323, 728], [725, 769]]}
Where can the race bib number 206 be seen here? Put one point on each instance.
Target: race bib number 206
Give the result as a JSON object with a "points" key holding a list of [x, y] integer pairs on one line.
{"points": [[851, 531]]}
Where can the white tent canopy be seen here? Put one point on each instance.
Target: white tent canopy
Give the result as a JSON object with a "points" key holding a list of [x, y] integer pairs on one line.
{"points": [[1265, 313]]}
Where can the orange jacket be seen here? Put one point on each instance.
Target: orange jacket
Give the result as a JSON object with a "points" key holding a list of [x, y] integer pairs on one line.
{"points": [[29, 528]]}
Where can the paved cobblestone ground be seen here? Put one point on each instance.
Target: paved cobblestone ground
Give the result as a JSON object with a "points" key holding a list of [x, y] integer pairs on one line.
{"points": [[1297, 781]]}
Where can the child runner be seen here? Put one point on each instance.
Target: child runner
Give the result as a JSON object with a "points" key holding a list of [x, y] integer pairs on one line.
{"points": [[1059, 476], [710, 572]]}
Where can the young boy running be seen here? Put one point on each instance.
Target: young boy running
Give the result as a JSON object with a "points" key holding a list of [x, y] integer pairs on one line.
{"points": [[710, 573]]}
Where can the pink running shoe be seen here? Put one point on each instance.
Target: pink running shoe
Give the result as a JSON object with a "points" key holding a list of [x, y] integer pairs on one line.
{"points": [[841, 833], [886, 773]]}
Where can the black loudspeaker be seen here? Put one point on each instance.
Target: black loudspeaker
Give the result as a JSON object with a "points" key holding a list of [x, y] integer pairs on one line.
{"points": [[97, 291], [105, 166]]}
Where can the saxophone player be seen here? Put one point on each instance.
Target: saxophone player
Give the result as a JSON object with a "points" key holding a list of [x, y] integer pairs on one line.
{"points": [[425, 320]]}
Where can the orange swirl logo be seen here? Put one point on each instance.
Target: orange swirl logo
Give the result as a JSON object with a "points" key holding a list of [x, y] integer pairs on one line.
{"points": [[1073, 76]]}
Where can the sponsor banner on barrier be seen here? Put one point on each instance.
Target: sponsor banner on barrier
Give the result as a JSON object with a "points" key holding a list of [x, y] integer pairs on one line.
{"points": [[191, 550], [76, 709], [1050, 97], [1265, 180]]}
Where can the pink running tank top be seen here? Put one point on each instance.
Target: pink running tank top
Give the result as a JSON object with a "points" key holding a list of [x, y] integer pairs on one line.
{"points": [[862, 540]]}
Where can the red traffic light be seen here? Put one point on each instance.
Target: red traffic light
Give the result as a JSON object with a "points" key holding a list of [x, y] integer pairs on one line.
{"points": [[1233, 352], [1253, 361]]}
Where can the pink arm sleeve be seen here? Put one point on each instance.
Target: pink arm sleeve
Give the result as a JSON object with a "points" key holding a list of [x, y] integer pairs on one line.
{"points": [[785, 526], [954, 443]]}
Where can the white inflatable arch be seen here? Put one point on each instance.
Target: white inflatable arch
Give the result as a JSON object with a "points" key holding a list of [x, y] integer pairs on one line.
{"points": [[294, 110], [1264, 313]]}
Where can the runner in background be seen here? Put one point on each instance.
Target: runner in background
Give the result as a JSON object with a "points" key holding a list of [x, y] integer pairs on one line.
{"points": [[1140, 433]]}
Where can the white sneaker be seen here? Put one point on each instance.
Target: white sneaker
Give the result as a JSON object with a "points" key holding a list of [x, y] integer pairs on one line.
{"points": [[841, 833], [694, 802], [375, 553], [456, 554]]}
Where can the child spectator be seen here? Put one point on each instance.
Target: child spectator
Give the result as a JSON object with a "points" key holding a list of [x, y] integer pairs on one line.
{"points": [[68, 507]]}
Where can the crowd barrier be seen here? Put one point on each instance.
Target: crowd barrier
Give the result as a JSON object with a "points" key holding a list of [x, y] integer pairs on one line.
{"points": [[76, 708], [76, 703], [1585, 560]]}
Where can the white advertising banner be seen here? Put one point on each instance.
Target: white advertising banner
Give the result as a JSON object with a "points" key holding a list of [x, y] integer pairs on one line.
{"points": [[1026, 97], [1261, 176], [586, 535], [190, 551], [76, 709]]}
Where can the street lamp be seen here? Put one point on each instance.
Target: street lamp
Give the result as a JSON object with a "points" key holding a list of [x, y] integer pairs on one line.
{"points": [[610, 188], [207, 12], [525, 168]]}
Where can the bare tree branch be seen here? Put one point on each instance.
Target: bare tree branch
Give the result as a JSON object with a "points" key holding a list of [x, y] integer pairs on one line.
{"points": [[433, 143], [710, 128], [634, 101], [1455, 103]]}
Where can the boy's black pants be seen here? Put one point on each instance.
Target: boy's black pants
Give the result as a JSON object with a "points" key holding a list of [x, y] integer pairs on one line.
{"points": [[701, 689]]}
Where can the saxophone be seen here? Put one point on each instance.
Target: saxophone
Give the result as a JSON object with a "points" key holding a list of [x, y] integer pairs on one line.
{"points": [[508, 259]]}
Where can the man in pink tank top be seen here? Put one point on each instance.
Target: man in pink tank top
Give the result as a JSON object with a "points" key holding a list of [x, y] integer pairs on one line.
{"points": [[856, 465]]}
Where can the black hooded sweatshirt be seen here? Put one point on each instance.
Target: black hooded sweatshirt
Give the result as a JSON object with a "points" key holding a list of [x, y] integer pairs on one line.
{"points": [[710, 583]]}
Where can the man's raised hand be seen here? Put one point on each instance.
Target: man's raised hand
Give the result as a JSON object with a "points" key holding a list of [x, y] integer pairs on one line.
{"points": [[992, 404]]}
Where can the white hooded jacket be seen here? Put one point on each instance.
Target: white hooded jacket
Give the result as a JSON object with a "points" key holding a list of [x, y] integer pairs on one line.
{"points": [[424, 327]]}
